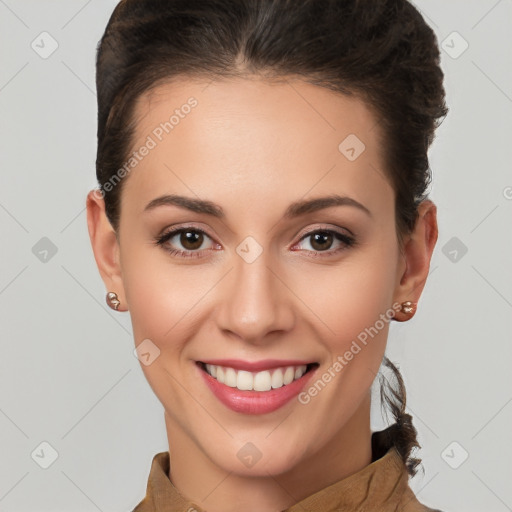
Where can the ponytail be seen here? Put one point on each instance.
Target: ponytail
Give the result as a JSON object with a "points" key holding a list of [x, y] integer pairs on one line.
{"points": [[402, 434]]}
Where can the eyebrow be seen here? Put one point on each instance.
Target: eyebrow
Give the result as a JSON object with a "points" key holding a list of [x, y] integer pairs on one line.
{"points": [[295, 209]]}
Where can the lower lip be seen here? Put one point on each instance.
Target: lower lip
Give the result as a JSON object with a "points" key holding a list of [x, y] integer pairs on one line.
{"points": [[255, 402]]}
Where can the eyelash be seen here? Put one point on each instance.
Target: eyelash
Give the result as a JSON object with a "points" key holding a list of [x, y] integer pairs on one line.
{"points": [[348, 242]]}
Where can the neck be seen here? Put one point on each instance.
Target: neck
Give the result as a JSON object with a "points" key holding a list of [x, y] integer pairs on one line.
{"points": [[198, 479]]}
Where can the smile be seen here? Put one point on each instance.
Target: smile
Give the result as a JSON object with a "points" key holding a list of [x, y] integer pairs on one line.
{"points": [[255, 388], [257, 381]]}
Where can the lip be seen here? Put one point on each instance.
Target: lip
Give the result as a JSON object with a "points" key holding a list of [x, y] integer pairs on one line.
{"points": [[256, 366], [255, 402]]}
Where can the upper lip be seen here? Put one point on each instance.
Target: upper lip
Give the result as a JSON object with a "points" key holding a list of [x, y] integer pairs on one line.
{"points": [[255, 366]]}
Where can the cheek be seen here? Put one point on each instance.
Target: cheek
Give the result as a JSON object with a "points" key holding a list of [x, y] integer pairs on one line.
{"points": [[351, 296], [162, 297], [163, 302], [354, 306]]}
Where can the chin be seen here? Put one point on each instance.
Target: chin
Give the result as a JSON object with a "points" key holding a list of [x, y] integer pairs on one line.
{"points": [[258, 455], [276, 463]]}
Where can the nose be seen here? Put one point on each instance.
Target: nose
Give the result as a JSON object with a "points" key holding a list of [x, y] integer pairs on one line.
{"points": [[255, 304]]}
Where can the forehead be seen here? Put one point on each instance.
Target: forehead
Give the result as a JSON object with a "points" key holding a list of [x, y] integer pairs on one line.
{"points": [[276, 104], [254, 135]]}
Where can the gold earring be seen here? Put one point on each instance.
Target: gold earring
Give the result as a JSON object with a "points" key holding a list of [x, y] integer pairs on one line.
{"points": [[113, 301], [408, 307]]}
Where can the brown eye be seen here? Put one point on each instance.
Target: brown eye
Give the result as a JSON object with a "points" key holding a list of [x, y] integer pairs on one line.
{"points": [[325, 241], [191, 240], [185, 242], [321, 240]]}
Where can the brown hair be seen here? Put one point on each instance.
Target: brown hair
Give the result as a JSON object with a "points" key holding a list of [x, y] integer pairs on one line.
{"points": [[379, 50]]}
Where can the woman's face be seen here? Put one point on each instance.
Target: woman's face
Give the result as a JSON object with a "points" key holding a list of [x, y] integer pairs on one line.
{"points": [[258, 282]]}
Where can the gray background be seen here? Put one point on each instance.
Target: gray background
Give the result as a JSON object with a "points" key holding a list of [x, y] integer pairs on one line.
{"points": [[68, 376]]}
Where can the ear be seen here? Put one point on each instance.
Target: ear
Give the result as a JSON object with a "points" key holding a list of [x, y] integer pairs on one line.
{"points": [[105, 245], [417, 254]]}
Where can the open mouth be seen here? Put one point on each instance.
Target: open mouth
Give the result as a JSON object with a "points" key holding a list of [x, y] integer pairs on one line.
{"points": [[265, 380]]}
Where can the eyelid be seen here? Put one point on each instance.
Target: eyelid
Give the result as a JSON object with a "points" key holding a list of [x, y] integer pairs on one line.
{"points": [[178, 226], [324, 227], [175, 229]]}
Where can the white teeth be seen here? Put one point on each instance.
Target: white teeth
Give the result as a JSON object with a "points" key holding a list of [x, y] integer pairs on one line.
{"points": [[244, 380], [262, 381], [257, 381], [289, 375], [277, 379], [230, 378], [212, 370]]}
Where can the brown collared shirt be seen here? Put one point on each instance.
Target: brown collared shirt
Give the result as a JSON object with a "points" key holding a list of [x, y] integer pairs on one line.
{"points": [[382, 486]]}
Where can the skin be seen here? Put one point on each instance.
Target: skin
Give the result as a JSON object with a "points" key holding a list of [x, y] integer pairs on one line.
{"points": [[253, 147]]}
